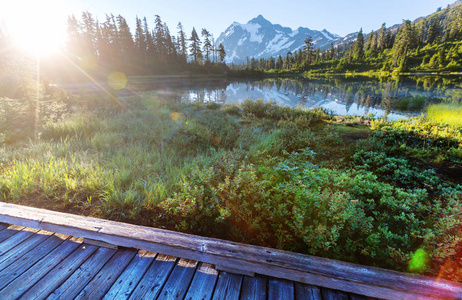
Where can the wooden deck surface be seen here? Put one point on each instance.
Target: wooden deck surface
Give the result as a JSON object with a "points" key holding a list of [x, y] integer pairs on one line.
{"points": [[38, 264]]}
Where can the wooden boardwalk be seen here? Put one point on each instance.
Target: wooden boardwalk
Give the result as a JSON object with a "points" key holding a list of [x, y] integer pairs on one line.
{"points": [[37, 264], [52, 255]]}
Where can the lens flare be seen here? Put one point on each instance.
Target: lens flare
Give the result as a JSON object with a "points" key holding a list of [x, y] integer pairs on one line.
{"points": [[117, 81], [419, 261], [174, 116]]}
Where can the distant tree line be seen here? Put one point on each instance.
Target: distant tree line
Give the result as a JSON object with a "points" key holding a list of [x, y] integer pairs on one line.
{"points": [[431, 43], [110, 45]]}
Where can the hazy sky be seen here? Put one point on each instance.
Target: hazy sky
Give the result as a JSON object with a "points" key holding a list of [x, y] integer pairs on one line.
{"points": [[337, 16]]}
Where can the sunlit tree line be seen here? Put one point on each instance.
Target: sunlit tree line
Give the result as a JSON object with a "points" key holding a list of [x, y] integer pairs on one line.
{"points": [[150, 49]]}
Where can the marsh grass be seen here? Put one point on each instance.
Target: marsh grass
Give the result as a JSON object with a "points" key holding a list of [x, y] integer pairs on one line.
{"points": [[446, 113], [118, 161]]}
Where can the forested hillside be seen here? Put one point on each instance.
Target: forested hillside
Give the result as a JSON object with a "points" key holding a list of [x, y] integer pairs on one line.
{"points": [[432, 43]]}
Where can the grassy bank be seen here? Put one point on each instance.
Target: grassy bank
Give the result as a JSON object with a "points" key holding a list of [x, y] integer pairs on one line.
{"points": [[360, 190]]}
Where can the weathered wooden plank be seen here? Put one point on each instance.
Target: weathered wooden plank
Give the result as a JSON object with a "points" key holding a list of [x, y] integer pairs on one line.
{"points": [[280, 289], [328, 294], [179, 280], [3, 226], [28, 278], [16, 239], [203, 283], [18, 267], [79, 279], [254, 288], [9, 231], [228, 286], [102, 282], [127, 282], [151, 284], [327, 273], [60, 273], [15, 253], [307, 292]]}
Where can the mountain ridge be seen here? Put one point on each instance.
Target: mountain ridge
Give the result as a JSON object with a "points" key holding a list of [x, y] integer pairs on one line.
{"points": [[259, 38]]}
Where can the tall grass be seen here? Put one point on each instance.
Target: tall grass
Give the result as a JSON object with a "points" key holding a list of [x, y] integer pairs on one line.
{"points": [[111, 162], [446, 113]]}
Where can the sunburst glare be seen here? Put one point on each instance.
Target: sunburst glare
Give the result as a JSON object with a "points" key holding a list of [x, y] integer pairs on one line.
{"points": [[36, 26]]}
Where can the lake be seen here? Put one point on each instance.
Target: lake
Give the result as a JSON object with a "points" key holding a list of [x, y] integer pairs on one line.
{"points": [[392, 97]]}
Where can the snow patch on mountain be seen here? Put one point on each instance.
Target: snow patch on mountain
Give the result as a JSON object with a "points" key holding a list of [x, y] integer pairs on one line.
{"points": [[259, 38], [253, 30]]}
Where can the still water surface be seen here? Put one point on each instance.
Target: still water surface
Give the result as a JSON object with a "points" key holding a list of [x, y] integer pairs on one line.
{"points": [[392, 97]]}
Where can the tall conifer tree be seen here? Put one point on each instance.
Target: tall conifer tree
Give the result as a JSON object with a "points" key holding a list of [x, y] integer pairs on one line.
{"points": [[221, 52], [181, 39], [195, 47], [358, 47], [207, 44]]}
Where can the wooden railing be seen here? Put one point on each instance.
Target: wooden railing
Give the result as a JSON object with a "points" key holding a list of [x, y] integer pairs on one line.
{"points": [[238, 258]]}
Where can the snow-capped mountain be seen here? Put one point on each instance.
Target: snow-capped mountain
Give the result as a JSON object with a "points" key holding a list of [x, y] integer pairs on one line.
{"points": [[260, 38]]}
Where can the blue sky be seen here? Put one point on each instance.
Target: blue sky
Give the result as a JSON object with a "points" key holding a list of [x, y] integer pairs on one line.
{"points": [[337, 16]]}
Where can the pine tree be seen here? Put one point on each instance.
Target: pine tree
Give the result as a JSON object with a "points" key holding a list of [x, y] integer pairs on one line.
{"points": [[287, 60], [389, 40], [332, 52], [221, 52], [369, 41], [299, 57], [108, 48], [74, 38], [421, 35], [101, 46], [140, 42], [159, 41], [279, 63], [318, 55], [171, 54], [405, 42], [374, 42], [433, 34], [88, 30], [150, 49], [381, 39], [207, 47], [261, 64], [308, 50], [182, 44], [358, 47], [125, 41], [253, 63], [456, 25], [195, 47]]}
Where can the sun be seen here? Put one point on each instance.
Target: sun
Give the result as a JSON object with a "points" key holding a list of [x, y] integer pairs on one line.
{"points": [[37, 26]]}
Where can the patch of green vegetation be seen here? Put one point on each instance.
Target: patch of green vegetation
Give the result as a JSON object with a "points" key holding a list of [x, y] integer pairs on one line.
{"points": [[446, 113], [351, 188]]}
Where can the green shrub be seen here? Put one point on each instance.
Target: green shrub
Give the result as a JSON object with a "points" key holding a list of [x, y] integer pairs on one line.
{"points": [[394, 169], [291, 203]]}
